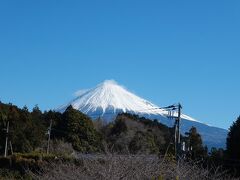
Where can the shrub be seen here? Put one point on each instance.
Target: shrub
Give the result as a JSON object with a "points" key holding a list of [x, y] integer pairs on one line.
{"points": [[128, 167]]}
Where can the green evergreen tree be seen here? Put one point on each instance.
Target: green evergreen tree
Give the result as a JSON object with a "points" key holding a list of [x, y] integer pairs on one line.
{"points": [[119, 126], [196, 149], [233, 140], [80, 131], [25, 129], [38, 129]]}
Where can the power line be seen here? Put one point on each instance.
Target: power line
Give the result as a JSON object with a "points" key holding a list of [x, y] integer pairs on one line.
{"points": [[171, 111], [167, 109]]}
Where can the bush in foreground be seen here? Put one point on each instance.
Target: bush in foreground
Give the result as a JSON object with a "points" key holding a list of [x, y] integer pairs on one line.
{"points": [[127, 167]]}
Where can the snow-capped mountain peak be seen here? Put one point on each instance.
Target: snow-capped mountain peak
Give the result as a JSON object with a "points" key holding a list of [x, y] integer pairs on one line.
{"points": [[110, 97]]}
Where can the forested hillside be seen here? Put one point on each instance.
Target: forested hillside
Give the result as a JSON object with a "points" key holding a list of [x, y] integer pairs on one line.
{"points": [[26, 135]]}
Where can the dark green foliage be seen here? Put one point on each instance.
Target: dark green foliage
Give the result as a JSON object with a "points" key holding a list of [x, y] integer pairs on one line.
{"points": [[72, 129], [195, 145], [119, 127], [217, 157], [26, 130], [80, 131], [143, 142], [217, 153], [128, 134], [58, 125], [233, 140], [137, 135], [17, 165], [37, 131]]}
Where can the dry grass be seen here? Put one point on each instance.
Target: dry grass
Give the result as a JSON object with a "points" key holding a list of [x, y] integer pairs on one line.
{"points": [[111, 167]]}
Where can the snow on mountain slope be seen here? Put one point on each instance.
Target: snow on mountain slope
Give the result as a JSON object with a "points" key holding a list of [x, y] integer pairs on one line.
{"points": [[111, 96], [108, 99]]}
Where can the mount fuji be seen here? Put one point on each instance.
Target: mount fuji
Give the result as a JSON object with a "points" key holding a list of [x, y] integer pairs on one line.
{"points": [[108, 99]]}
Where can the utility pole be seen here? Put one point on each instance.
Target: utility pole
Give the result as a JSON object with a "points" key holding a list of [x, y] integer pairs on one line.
{"points": [[6, 143], [49, 136], [175, 138], [177, 132]]}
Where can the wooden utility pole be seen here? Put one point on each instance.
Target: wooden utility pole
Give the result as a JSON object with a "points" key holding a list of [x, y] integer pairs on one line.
{"points": [[6, 142], [49, 136], [177, 132], [175, 138]]}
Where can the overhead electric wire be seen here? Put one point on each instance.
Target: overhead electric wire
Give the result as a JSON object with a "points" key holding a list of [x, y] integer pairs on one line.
{"points": [[167, 109]]}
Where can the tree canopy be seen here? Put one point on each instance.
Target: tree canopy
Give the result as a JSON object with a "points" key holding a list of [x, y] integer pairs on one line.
{"points": [[233, 140], [195, 145]]}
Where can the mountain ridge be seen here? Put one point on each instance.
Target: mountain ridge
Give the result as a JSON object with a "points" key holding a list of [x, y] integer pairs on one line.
{"points": [[108, 99]]}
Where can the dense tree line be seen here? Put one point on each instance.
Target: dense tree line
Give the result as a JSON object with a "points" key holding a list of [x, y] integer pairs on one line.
{"points": [[28, 130], [127, 134]]}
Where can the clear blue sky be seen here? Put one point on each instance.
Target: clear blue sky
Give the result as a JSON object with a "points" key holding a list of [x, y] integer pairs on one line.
{"points": [[165, 51]]}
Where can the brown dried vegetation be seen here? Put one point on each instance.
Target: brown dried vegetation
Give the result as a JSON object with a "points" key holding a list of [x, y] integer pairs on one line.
{"points": [[127, 167]]}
